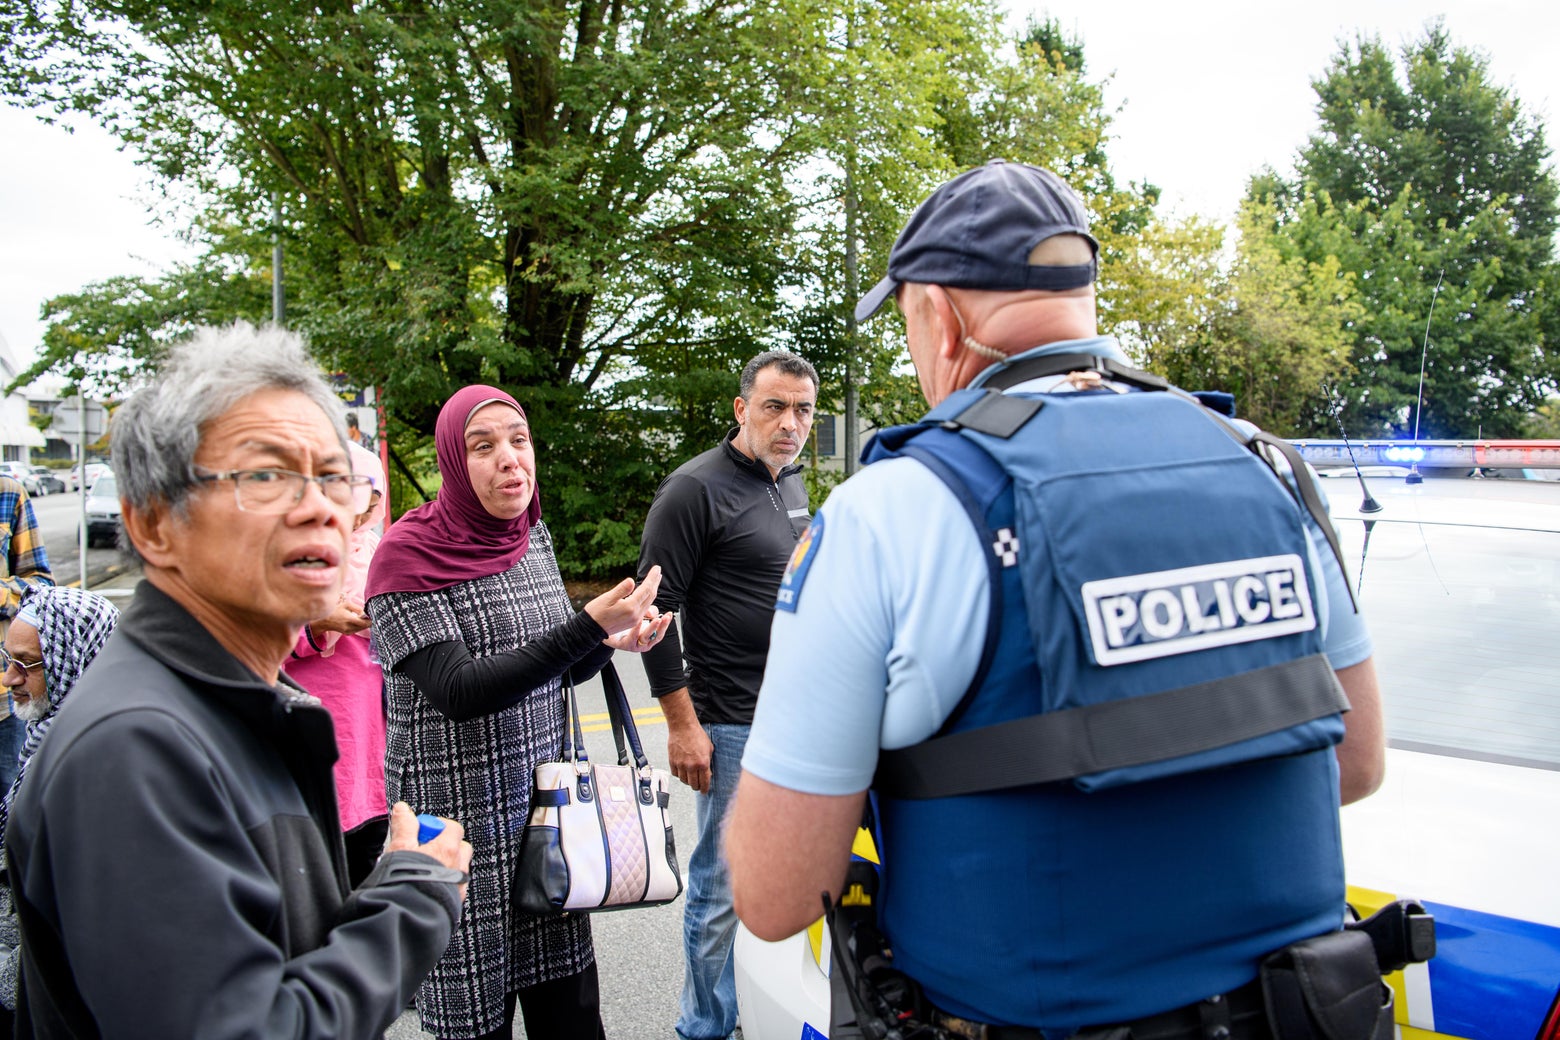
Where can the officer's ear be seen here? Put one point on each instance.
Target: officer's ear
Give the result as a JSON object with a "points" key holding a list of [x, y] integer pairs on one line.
{"points": [[950, 329]]}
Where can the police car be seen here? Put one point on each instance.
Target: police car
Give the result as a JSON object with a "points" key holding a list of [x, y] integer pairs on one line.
{"points": [[1460, 579]]}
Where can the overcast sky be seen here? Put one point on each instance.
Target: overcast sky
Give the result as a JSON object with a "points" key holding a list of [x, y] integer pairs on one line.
{"points": [[1213, 90], [1209, 93]]}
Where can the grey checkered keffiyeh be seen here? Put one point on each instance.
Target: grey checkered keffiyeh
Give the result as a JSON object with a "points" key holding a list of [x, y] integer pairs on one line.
{"points": [[72, 628]]}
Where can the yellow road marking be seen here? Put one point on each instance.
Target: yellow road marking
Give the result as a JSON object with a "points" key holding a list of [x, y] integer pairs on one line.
{"points": [[599, 722]]}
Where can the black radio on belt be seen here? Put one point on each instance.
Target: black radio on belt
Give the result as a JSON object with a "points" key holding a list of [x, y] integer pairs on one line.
{"points": [[1403, 933]]}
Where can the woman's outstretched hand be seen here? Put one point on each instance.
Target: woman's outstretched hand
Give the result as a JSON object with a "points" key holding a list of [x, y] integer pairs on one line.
{"points": [[629, 615]]}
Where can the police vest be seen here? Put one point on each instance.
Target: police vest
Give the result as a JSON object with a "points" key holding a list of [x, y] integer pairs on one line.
{"points": [[1136, 799]]}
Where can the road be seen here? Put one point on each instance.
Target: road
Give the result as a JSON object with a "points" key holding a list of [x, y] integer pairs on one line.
{"points": [[59, 518], [638, 952]]}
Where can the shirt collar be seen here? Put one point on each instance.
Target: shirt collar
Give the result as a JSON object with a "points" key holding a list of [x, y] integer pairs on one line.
{"points": [[1103, 346], [753, 466], [165, 629]]}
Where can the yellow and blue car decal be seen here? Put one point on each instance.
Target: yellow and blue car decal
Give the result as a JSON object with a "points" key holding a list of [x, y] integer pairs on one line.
{"points": [[800, 563], [1492, 978]]}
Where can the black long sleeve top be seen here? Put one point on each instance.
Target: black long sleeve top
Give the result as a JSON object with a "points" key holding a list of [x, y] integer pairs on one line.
{"points": [[464, 687], [722, 531]]}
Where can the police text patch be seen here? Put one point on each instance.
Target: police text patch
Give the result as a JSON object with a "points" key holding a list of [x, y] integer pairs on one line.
{"points": [[801, 562], [1142, 616]]}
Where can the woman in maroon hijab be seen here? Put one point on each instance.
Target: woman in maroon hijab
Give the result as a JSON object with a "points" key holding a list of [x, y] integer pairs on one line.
{"points": [[474, 631]]}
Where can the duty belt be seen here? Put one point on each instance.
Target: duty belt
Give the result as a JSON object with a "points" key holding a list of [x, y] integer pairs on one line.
{"points": [[1237, 1015], [1307, 990]]}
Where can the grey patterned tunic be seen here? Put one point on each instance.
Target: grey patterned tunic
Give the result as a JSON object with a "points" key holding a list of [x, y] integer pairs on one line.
{"points": [[480, 772]]}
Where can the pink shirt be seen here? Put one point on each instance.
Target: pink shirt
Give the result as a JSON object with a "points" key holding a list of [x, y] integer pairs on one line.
{"points": [[350, 686]]}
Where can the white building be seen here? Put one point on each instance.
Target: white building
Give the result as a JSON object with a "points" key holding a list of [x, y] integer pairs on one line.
{"points": [[18, 436]]}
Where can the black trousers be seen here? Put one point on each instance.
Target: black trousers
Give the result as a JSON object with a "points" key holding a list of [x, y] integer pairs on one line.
{"points": [[563, 1009]]}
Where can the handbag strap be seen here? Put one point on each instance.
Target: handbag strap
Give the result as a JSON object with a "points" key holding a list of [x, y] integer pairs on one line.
{"points": [[615, 714], [573, 733], [622, 719]]}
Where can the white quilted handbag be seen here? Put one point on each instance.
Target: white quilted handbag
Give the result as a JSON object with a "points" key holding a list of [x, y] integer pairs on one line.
{"points": [[599, 837]]}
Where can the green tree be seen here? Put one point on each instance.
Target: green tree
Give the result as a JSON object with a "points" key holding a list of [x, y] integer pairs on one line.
{"points": [[1285, 339], [1160, 294], [587, 166], [605, 207], [530, 194], [1430, 185]]}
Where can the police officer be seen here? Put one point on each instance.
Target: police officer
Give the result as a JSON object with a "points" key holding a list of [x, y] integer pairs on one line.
{"points": [[1085, 541]]}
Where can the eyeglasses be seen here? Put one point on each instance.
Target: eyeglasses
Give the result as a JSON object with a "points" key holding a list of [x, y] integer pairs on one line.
{"points": [[278, 490], [6, 661]]}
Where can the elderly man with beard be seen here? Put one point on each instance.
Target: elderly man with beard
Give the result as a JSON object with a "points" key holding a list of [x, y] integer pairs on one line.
{"points": [[722, 527]]}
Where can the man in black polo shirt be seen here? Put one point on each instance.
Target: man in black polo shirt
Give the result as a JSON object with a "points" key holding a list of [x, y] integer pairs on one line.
{"points": [[722, 527]]}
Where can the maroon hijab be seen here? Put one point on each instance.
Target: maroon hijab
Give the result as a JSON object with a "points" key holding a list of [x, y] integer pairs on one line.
{"points": [[453, 538]]}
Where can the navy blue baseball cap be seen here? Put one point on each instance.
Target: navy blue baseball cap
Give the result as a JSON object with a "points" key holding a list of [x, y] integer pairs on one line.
{"points": [[977, 231]]}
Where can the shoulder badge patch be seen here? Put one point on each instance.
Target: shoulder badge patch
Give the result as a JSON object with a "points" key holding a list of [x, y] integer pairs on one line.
{"points": [[801, 562]]}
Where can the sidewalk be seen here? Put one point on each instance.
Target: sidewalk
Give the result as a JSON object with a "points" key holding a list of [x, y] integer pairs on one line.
{"points": [[116, 581]]}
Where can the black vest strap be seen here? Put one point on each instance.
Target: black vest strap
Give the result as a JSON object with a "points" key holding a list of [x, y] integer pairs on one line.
{"points": [[1076, 742], [1306, 494], [996, 414]]}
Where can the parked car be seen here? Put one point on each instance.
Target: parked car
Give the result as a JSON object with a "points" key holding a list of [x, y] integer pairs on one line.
{"points": [[103, 523], [1460, 580], [15, 470], [41, 480], [94, 470]]}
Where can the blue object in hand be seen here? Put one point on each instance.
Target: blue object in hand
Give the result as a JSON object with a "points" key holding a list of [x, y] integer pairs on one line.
{"points": [[428, 828]]}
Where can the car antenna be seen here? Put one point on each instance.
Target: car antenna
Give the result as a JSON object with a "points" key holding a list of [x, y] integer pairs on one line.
{"points": [[1414, 476], [1369, 505]]}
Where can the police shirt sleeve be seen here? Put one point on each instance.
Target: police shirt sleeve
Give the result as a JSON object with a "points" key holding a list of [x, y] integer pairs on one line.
{"points": [[1345, 636], [880, 634]]}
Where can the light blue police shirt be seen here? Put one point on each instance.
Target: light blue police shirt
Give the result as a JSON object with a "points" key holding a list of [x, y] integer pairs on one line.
{"points": [[890, 620]]}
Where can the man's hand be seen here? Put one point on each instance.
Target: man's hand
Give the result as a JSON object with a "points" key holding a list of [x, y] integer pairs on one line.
{"points": [[1362, 756], [784, 848], [449, 848], [688, 747]]}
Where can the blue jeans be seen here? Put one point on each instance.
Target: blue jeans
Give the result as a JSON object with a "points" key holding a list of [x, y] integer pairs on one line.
{"points": [[708, 1008], [13, 734]]}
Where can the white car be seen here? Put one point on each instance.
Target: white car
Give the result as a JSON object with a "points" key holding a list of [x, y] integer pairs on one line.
{"points": [[1460, 580], [94, 470], [103, 521]]}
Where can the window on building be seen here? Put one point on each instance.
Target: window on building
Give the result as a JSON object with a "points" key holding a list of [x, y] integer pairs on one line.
{"points": [[823, 435]]}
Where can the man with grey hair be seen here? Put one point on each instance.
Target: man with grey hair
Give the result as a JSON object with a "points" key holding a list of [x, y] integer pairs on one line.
{"points": [[721, 528], [176, 854]]}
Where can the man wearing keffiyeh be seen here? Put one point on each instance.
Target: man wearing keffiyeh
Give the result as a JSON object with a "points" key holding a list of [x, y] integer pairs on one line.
{"points": [[24, 564], [53, 638]]}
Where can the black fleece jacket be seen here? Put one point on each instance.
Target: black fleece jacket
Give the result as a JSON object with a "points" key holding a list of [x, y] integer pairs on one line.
{"points": [[177, 858]]}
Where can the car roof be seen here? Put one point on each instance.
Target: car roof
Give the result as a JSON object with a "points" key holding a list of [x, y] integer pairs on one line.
{"points": [[1459, 580], [1486, 503]]}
